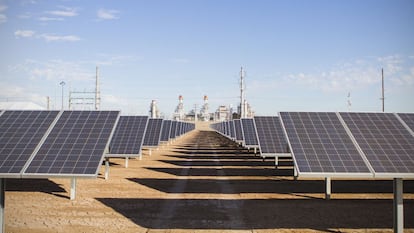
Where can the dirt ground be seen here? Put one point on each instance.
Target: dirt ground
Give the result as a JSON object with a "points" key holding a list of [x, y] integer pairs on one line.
{"points": [[202, 182]]}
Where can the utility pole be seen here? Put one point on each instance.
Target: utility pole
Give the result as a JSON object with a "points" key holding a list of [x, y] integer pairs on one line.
{"points": [[62, 84], [97, 91], [242, 102], [383, 95]]}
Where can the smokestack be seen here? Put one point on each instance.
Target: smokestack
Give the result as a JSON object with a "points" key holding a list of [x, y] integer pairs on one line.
{"points": [[153, 109]]}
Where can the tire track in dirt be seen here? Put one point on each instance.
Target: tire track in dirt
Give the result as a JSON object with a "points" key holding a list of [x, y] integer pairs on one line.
{"points": [[229, 212]]}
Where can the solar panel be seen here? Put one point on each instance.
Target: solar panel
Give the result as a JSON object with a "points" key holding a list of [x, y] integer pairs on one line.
{"points": [[173, 129], [320, 145], [238, 130], [386, 143], [270, 135], [20, 134], [227, 127], [408, 119], [75, 146], [153, 133], [178, 129], [249, 132], [165, 132], [231, 128], [182, 128], [128, 136]]}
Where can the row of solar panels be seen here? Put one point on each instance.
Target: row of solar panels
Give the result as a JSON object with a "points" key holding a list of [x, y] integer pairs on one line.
{"points": [[73, 143], [263, 132], [134, 132], [328, 144]]}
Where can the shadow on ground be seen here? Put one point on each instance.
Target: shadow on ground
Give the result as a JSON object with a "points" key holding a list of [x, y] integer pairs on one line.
{"points": [[258, 213], [264, 172], [215, 186], [36, 185]]}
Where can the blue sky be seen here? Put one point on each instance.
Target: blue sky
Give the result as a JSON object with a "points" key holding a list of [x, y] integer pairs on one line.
{"points": [[298, 55]]}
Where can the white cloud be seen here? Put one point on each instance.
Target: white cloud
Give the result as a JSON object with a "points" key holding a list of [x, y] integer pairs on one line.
{"points": [[52, 37], [354, 75], [46, 37], [406, 79], [104, 14], [24, 33], [50, 19], [3, 17], [53, 70], [64, 12], [12, 92], [346, 76]]}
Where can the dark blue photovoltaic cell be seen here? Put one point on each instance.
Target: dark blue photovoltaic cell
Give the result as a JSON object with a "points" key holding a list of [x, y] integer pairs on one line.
{"points": [[238, 130], [166, 130], [231, 127], [153, 133], [20, 134], [178, 129], [76, 144], [320, 144], [387, 144], [173, 129], [270, 135], [408, 119], [249, 132], [129, 135]]}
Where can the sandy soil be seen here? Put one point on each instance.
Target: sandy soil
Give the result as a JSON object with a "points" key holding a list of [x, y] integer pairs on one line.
{"points": [[202, 183]]}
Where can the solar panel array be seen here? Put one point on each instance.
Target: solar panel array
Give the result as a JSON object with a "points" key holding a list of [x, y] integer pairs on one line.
{"points": [[408, 119], [52, 143], [386, 143], [270, 135], [320, 144], [232, 133], [20, 133], [249, 132], [76, 144], [238, 130], [351, 144], [166, 130], [153, 133], [128, 136], [173, 129], [231, 129]]}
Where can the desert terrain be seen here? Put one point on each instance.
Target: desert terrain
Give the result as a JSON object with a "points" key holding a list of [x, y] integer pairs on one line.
{"points": [[202, 182]]}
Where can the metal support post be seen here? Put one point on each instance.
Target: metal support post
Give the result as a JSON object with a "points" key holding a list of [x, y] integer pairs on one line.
{"points": [[126, 162], [276, 161], [2, 206], [255, 151], [72, 188], [295, 173], [106, 168], [328, 188], [398, 206]]}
